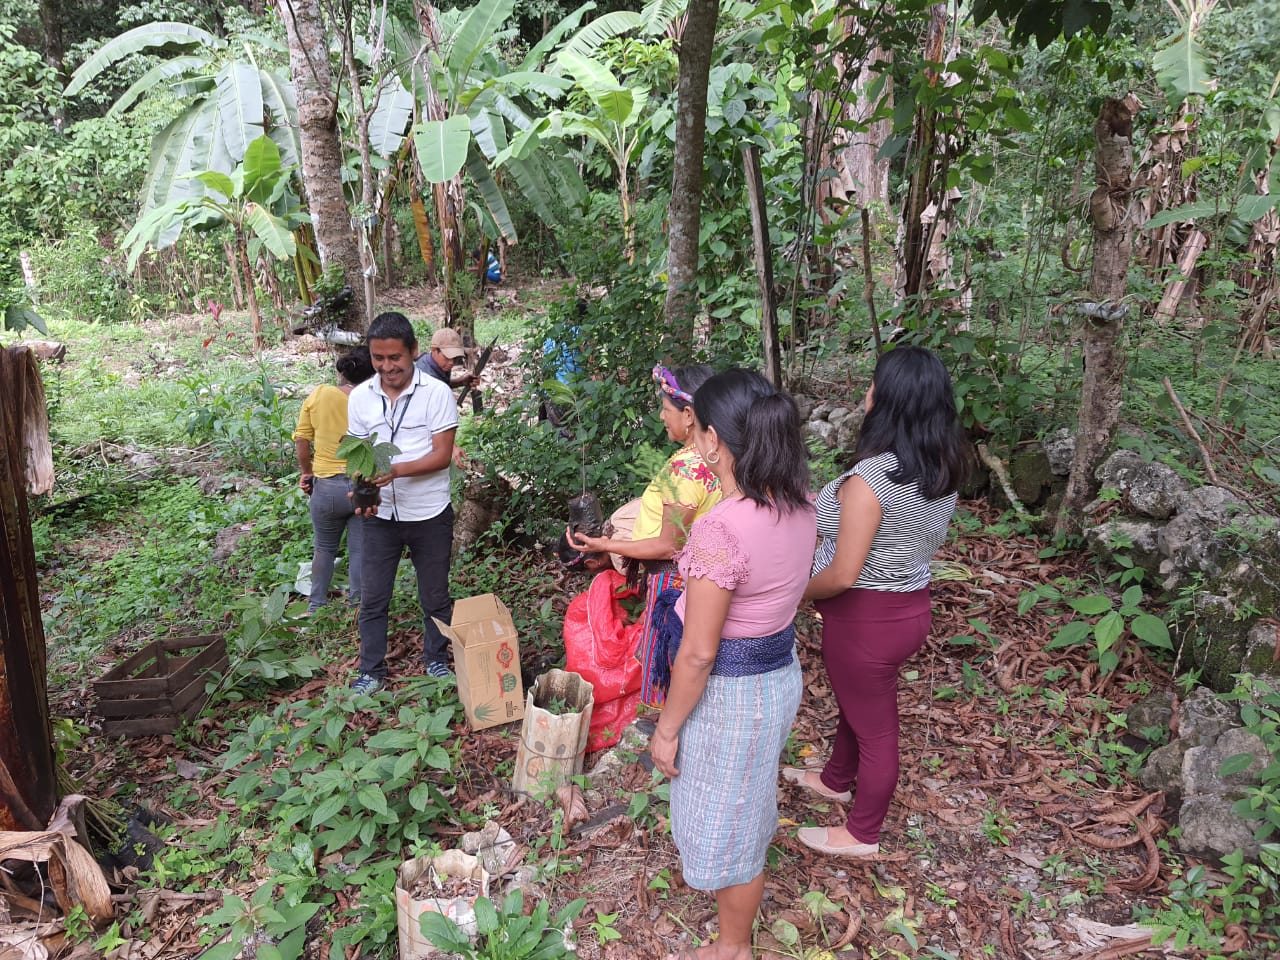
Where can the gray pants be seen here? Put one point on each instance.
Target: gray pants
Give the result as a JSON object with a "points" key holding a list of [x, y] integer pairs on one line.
{"points": [[331, 514], [430, 543]]}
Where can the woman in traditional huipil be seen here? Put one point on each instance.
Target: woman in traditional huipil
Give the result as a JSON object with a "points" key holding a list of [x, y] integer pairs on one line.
{"points": [[683, 490], [734, 682]]}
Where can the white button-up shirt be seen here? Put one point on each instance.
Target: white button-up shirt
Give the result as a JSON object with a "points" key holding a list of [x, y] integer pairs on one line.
{"points": [[411, 421]]}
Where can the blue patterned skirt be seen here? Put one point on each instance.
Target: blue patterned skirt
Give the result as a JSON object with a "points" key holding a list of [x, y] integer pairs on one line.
{"points": [[724, 803]]}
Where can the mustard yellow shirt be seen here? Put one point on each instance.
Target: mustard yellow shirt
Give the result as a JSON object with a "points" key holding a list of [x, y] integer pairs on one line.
{"points": [[684, 481], [323, 421]]}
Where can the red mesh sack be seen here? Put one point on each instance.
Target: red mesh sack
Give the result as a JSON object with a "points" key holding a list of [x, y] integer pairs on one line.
{"points": [[600, 646]]}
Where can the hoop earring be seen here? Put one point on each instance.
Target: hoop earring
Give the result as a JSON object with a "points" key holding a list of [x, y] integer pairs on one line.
{"points": [[709, 458]]}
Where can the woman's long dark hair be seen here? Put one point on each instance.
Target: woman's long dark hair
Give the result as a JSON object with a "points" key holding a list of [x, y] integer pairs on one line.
{"points": [[761, 428], [913, 415]]}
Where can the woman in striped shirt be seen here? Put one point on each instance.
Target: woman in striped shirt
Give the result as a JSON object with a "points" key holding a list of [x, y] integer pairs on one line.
{"points": [[881, 522]]}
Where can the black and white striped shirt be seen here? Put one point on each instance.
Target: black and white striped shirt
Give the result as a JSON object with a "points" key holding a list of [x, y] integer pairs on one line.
{"points": [[912, 528]]}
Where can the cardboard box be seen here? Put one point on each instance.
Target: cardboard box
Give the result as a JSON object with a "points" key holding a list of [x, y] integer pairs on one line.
{"points": [[486, 659]]}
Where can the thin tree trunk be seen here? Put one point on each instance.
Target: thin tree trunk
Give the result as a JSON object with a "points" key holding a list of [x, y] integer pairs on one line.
{"points": [[28, 782], [913, 242], [237, 289], [54, 54], [1100, 395], [368, 181], [321, 151], [685, 218], [769, 339], [242, 251], [448, 196]]}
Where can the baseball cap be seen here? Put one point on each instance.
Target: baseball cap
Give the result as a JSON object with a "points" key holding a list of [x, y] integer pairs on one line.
{"points": [[447, 340]]}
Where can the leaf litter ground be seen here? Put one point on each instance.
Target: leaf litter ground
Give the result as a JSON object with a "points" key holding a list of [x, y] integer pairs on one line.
{"points": [[1016, 831]]}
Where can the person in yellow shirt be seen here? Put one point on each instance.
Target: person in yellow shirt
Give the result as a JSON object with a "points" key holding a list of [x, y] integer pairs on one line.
{"points": [[684, 489], [322, 423]]}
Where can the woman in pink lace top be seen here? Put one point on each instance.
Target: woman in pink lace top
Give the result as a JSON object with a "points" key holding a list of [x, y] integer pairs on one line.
{"points": [[735, 682]]}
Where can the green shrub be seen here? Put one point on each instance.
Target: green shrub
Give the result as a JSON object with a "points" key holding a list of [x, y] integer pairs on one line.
{"points": [[310, 766]]}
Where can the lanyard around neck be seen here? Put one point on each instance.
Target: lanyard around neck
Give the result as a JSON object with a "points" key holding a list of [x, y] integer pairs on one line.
{"points": [[395, 427]]}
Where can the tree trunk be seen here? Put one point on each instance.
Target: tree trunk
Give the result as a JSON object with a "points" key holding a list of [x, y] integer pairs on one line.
{"points": [[769, 339], [233, 261], [923, 204], [28, 782], [864, 174], [368, 179], [250, 289], [54, 54], [685, 218], [1100, 395], [422, 229], [858, 175], [321, 150]]}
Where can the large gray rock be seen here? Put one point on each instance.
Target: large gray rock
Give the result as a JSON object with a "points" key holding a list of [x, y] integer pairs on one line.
{"points": [[1210, 828], [1230, 636], [1163, 770], [1139, 540], [849, 428], [1205, 717], [1153, 489], [1060, 449], [838, 415], [1193, 540], [1150, 717], [1202, 766], [1031, 476], [822, 430]]}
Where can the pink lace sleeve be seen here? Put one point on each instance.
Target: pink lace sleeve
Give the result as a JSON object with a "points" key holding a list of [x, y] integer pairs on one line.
{"points": [[713, 552]]}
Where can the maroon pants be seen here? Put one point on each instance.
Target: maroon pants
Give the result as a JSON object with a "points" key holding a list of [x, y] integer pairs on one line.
{"points": [[866, 637]]}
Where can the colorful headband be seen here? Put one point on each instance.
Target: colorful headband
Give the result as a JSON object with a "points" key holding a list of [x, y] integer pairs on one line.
{"points": [[668, 384]]}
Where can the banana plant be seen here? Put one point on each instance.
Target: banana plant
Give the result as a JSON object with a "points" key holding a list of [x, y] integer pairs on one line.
{"points": [[230, 98], [254, 200], [615, 123]]}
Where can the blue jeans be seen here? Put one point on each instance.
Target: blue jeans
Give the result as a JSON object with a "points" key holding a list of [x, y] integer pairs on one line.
{"points": [[331, 514], [430, 544]]}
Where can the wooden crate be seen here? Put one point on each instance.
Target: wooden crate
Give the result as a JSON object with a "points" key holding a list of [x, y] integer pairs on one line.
{"points": [[159, 687]]}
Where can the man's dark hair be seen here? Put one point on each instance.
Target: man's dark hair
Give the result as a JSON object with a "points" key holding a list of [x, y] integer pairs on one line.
{"points": [[913, 415], [761, 427], [392, 325]]}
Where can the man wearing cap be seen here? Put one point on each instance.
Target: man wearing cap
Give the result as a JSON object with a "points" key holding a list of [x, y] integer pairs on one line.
{"points": [[446, 351]]}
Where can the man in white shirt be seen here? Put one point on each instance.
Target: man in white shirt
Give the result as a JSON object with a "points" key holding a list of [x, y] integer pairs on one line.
{"points": [[417, 413]]}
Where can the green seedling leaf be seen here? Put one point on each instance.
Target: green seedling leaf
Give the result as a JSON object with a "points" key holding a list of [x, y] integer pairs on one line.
{"points": [[1107, 631], [1068, 636], [1151, 630], [1090, 606], [1235, 764]]}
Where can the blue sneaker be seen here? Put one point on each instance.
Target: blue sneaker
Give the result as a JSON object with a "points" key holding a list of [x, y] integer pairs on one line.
{"points": [[366, 684], [439, 670]]}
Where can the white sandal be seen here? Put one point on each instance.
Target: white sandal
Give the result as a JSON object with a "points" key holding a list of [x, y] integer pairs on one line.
{"points": [[797, 775]]}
